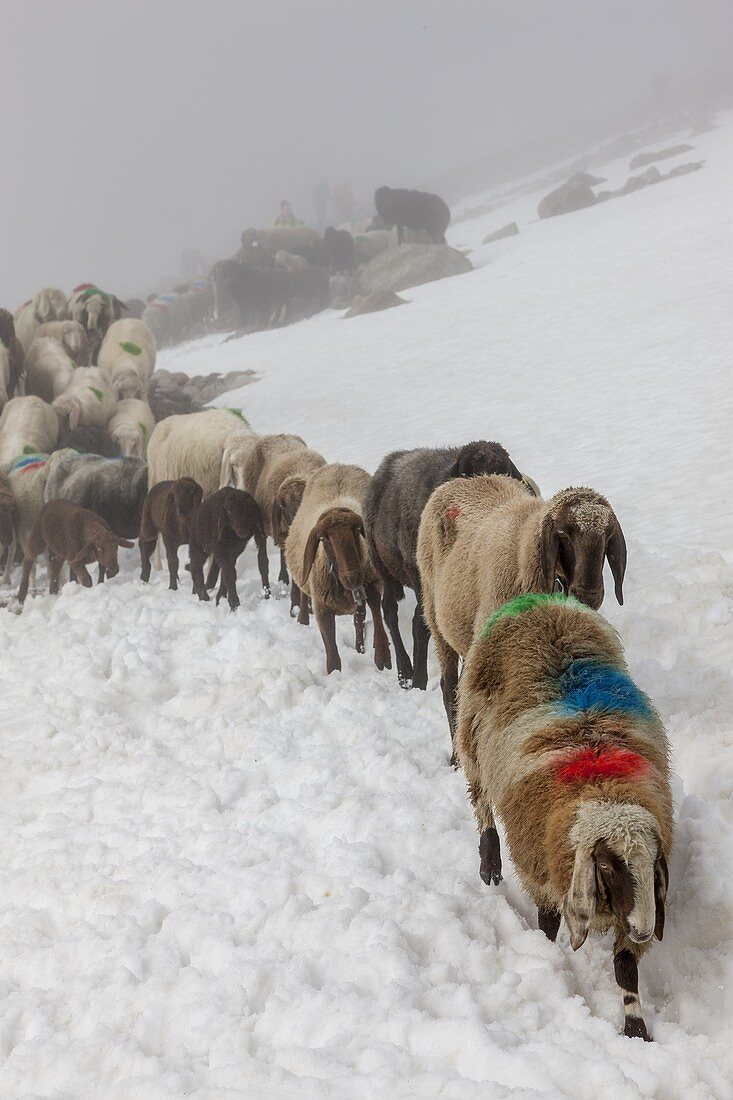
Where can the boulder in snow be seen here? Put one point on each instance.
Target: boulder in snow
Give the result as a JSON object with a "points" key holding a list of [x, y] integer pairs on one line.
{"points": [[411, 265], [373, 303], [642, 159], [509, 230], [574, 194]]}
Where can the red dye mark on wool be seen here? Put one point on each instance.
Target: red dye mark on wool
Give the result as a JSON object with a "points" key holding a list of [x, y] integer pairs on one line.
{"points": [[585, 765], [453, 512]]}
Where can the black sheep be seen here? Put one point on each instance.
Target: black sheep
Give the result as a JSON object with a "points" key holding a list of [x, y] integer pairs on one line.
{"points": [[393, 505], [262, 297], [339, 246], [417, 210]]}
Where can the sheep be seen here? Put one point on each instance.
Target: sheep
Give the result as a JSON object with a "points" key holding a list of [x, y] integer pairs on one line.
{"points": [[113, 488], [27, 426], [418, 210], [222, 527], [127, 356], [258, 297], [4, 376], [71, 336], [193, 446], [27, 481], [326, 553], [339, 247], [87, 440], [262, 466], [49, 370], [393, 505], [11, 347], [486, 540], [167, 511], [49, 304], [70, 533], [9, 520], [290, 261], [299, 240], [555, 738], [95, 310], [87, 400], [131, 426]]}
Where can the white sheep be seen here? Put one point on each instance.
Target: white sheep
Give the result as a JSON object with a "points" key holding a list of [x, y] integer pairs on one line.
{"points": [[88, 399], [27, 425], [48, 368], [127, 356], [49, 304], [27, 479], [290, 261], [193, 446], [131, 426], [71, 336]]}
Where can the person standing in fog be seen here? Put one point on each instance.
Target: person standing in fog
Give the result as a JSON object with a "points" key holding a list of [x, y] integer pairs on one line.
{"points": [[286, 215]]}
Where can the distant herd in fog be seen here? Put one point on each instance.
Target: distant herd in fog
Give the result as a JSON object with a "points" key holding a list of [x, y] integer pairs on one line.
{"points": [[552, 734]]}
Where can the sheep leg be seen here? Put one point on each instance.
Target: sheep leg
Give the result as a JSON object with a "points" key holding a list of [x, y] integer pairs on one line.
{"points": [[548, 921], [327, 625], [263, 563], [489, 850], [213, 576], [303, 611], [9, 559], [626, 970], [171, 554], [82, 575], [420, 639], [283, 574], [382, 655], [391, 617], [449, 684], [359, 620], [101, 574], [146, 551], [295, 598], [196, 561], [28, 564], [229, 584], [54, 572]]}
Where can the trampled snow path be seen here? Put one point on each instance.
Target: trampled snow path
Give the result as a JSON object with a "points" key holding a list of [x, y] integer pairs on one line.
{"points": [[225, 875]]}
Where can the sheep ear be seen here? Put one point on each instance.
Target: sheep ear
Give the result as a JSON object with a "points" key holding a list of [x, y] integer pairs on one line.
{"points": [[549, 549], [616, 554], [225, 475], [311, 549], [125, 543], [661, 883], [580, 904], [514, 472]]}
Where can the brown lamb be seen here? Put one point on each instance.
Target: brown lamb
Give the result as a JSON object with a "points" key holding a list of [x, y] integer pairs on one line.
{"points": [[167, 511], [67, 532], [222, 527]]}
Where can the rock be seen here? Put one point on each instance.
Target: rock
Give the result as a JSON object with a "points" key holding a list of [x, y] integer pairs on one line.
{"points": [[373, 303], [342, 290], [174, 394], [574, 194], [509, 230], [642, 159], [411, 265], [683, 169]]}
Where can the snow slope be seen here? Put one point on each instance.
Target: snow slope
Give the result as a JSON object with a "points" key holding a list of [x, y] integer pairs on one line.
{"points": [[225, 875]]}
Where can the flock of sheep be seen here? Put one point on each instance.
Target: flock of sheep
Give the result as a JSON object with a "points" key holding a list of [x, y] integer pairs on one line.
{"points": [[552, 734]]}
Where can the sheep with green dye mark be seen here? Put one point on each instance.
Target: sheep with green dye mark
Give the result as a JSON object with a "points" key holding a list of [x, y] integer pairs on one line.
{"points": [[87, 401], [27, 424], [131, 426], [193, 445], [127, 356]]}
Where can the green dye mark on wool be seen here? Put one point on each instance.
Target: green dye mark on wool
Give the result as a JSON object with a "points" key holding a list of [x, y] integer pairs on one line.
{"points": [[239, 415], [528, 602], [143, 429], [28, 450], [97, 393], [130, 348]]}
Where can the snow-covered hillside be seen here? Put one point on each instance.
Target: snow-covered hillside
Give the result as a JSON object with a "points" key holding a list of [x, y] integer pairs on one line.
{"points": [[226, 876]]}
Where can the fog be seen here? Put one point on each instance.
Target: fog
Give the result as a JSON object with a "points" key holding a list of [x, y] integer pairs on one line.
{"points": [[139, 128]]}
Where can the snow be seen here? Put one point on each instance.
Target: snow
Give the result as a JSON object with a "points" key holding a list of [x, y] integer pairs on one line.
{"points": [[226, 875]]}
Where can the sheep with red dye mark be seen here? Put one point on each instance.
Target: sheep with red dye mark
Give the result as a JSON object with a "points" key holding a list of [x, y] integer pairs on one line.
{"points": [[556, 740]]}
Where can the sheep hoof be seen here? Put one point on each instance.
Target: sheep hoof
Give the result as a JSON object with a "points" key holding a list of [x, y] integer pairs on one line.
{"points": [[635, 1028], [294, 611], [490, 852], [266, 593], [405, 682]]}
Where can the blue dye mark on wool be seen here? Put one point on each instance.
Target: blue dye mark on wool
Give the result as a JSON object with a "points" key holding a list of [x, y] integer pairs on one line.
{"points": [[587, 685]]}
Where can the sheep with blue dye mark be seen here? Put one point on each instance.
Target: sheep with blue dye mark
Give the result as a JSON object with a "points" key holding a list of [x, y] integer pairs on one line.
{"points": [[27, 426], [557, 740]]}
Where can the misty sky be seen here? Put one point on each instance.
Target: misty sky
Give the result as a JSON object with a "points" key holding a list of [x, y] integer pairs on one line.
{"points": [[136, 128]]}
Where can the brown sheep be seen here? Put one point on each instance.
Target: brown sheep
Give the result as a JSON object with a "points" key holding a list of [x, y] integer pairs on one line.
{"points": [[485, 540], [70, 533], [222, 527], [327, 555], [167, 511]]}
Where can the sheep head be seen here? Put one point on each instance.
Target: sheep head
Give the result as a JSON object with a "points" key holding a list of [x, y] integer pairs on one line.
{"points": [[620, 867], [102, 548], [480, 458], [341, 533], [579, 530], [183, 501], [127, 383]]}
